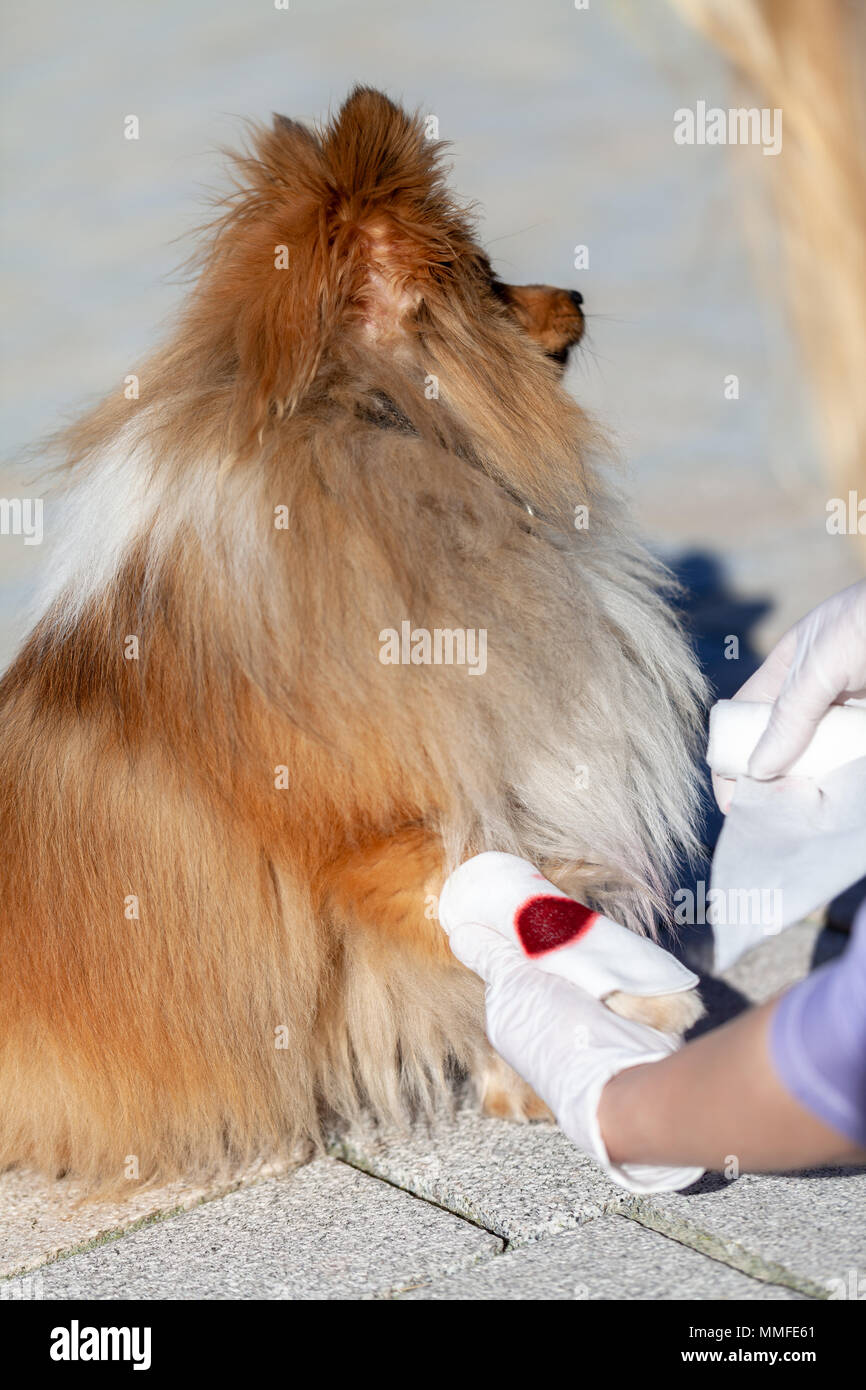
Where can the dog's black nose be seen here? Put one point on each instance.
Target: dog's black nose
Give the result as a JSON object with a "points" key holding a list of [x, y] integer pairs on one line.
{"points": [[576, 298]]}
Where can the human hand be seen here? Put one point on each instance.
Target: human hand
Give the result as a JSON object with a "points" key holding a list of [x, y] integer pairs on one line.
{"points": [[565, 1043], [819, 662]]}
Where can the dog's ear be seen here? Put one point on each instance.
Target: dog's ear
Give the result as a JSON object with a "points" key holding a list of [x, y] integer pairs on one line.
{"points": [[345, 227], [396, 229], [378, 155], [265, 279], [285, 127], [286, 157]]}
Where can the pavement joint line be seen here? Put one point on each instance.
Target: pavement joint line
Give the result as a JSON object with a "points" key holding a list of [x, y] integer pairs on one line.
{"points": [[482, 1261], [109, 1237], [731, 1253], [150, 1218], [609, 1207], [343, 1157], [343, 1152]]}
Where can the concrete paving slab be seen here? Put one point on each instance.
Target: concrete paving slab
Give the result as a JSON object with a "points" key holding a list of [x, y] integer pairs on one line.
{"points": [[326, 1231], [806, 1231], [611, 1258], [40, 1220], [521, 1181]]}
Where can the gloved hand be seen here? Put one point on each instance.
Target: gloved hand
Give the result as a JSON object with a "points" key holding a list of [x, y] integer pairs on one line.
{"points": [[566, 1044], [819, 662]]}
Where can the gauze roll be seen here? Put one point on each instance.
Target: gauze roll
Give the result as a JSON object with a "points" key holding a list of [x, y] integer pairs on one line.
{"points": [[558, 934], [737, 725], [788, 844]]}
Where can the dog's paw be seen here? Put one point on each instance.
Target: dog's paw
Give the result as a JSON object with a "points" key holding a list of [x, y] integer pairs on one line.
{"points": [[506, 1096], [669, 1013]]}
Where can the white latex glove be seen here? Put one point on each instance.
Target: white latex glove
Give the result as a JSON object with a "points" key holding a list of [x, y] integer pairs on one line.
{"points": [[819, 662], [566, 1044]]}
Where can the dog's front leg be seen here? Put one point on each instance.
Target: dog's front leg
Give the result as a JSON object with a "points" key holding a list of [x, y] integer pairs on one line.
{"points": [[389, 888]]}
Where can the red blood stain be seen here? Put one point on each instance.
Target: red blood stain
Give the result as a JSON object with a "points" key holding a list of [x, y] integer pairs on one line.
{"points": [[546, 923]]}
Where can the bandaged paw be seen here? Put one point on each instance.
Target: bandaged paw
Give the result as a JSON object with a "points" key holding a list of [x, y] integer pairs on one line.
{"points": [[560, 936]]}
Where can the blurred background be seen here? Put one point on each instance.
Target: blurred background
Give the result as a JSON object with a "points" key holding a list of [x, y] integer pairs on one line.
{"points": [[562, 123]]}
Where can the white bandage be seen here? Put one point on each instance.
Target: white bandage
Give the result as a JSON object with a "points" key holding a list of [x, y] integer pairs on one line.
{"points": [[558, 934], [737, 725]]}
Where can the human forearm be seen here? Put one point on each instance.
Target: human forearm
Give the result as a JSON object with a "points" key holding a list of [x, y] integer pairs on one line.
{"points": [[717, 1100]]}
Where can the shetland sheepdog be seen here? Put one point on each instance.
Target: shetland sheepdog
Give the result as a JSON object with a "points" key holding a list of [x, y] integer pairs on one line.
{"points": [[251, 731]]}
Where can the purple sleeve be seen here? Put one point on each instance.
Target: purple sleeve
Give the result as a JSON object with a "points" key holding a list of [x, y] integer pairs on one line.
{"points": [[818, 1039]]}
